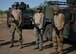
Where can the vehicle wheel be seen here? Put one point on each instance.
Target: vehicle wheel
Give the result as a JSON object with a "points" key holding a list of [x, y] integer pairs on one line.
{"points": [[48, 32]]}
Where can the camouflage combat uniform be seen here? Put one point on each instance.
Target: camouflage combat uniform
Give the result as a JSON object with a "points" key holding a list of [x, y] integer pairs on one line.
{"points": [[15, 25], [57, 36], [38, 19]]}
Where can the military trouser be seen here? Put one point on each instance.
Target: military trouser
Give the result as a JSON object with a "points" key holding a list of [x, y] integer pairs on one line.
{"points": [[39, 37], [57, 39], [14, 28]]}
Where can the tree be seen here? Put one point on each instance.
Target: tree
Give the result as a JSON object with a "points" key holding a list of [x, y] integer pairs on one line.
{"points": [[1, 12], [6, 11]]}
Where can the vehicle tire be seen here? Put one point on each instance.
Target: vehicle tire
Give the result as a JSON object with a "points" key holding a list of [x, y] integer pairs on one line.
{"points": [[48, 32]]}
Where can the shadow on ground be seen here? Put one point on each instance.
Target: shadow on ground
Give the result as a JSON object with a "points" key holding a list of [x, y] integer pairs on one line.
{"points": [[27, 27], [71, 48], [29, 44], [6, 43], [66, 50]]}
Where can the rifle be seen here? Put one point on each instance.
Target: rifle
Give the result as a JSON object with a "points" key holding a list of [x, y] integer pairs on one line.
{"points": [[14, 21]]}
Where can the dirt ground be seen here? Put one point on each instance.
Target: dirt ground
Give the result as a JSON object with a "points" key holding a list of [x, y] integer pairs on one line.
{"points": [[29, 45]]}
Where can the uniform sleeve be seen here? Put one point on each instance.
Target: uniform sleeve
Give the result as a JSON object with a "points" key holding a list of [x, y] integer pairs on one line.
{"points": [[42, 17], [34, 16], [20, 19], [33, 20], [63, 20]]}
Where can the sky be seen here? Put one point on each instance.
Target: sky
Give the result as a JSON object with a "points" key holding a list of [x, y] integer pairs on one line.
{"points": [[5, 4]]}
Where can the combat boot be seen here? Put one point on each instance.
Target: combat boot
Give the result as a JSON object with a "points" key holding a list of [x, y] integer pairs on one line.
{"points": [[37, 44], [40, 47], [40, 42], [12, 44], [21, 41], [12, 41]]}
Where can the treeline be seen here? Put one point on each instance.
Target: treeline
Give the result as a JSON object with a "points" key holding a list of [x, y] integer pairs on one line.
{"points": [[6, 11], [3, 12]]}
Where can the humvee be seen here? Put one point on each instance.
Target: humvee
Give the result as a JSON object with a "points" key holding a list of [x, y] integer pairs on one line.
{"points": [[68, 8]]}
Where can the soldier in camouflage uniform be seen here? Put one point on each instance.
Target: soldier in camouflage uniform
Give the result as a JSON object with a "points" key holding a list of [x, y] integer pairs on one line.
{"points": [[16, 22], [38, 21], [57, 36]]}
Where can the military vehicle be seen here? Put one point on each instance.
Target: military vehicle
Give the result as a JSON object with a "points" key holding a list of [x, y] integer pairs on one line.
{"points": [[69, 10], [70, 13], [48, 17], [26, 15]]}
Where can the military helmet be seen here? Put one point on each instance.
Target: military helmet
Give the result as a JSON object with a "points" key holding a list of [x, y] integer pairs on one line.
{"points": [[39, 8]]}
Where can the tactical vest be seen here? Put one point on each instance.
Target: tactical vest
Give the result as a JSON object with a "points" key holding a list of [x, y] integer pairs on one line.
{"points": [[16, 14], [37, 18]]}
